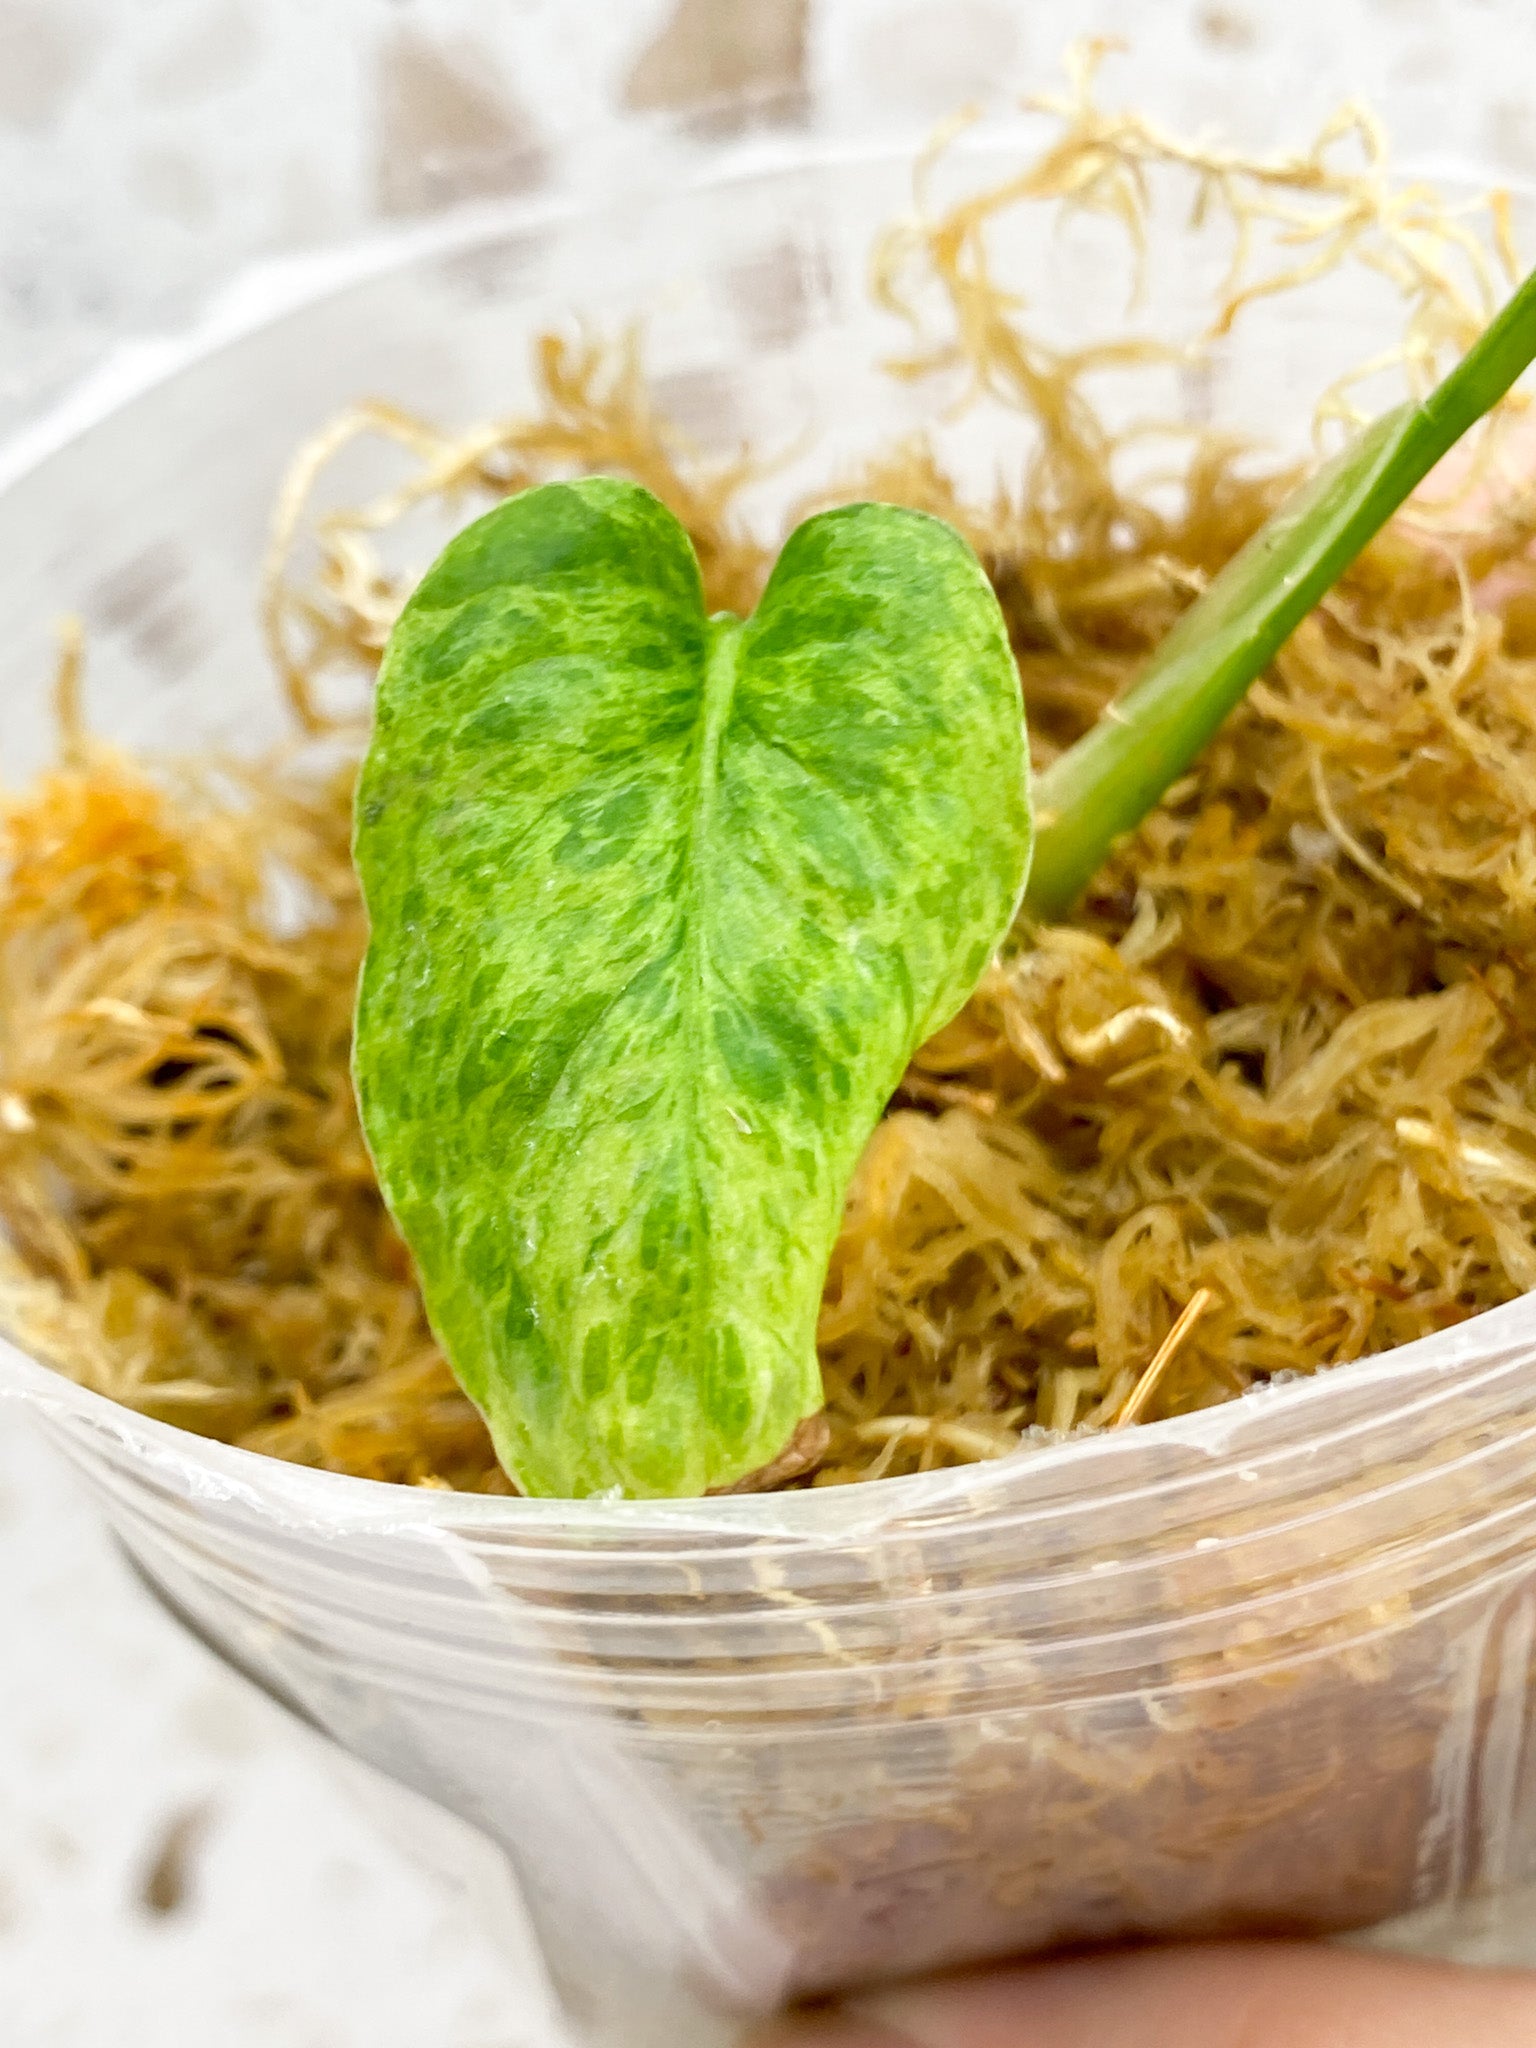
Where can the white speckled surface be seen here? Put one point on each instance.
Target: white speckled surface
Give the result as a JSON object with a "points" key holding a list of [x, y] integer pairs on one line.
{"points": [[300, 1927], [146, 154]]}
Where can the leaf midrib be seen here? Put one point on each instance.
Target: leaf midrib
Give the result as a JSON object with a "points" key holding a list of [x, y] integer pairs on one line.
{"points": [[721, 668]]}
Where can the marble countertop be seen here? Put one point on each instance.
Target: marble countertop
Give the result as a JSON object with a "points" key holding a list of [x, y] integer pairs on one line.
{"points": [[179, 1863]]}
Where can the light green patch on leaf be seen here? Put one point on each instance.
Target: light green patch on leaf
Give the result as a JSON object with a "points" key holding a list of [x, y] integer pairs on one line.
{"points": [[661, 905]]}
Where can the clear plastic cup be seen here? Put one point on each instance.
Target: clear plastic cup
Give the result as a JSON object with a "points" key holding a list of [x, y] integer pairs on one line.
{"points": [[1266, 1667]]}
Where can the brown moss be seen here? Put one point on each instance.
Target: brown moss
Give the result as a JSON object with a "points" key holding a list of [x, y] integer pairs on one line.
{"points": [[1283, 1060]]}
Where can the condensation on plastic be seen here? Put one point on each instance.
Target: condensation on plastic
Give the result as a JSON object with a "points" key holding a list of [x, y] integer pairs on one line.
{"points": [[1268, 1667]]}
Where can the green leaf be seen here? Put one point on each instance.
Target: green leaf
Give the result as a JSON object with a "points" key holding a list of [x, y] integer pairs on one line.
{"points": [[660, 907], [1106, 784]]}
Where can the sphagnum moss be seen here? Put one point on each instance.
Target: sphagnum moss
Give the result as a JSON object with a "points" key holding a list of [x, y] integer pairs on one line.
{"points": [[1280, 1061]]}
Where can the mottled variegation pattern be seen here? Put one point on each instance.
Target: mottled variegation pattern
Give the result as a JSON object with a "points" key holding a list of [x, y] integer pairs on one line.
{"points": [[660, 906]]}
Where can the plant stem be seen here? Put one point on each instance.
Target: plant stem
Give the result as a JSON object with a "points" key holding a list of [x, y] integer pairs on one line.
{"points": [[1115, 774]]}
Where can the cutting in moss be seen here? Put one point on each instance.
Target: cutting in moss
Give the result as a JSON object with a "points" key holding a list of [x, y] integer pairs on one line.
{"points": [[662, 905], [1248, 1105]]}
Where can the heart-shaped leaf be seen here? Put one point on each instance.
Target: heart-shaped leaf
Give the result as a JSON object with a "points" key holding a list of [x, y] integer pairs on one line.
{"points": [[661, 905]]}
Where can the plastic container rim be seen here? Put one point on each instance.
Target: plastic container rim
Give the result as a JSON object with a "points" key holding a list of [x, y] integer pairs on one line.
{"points": [[379, 1505]]}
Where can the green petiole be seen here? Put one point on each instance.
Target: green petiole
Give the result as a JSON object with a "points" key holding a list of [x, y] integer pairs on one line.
{"points": [[1105, 784]]}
